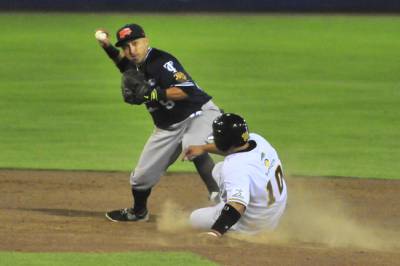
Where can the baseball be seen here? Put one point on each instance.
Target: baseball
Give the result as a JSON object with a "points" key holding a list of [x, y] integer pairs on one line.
{"points": [[100, 35]]}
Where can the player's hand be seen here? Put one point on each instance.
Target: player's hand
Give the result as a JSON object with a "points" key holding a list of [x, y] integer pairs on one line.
{"points": [[210, 236], [192, 152], [102, 36]]}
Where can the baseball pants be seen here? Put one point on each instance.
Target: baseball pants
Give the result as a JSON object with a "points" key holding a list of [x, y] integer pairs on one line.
{"points": [[164, 146]]}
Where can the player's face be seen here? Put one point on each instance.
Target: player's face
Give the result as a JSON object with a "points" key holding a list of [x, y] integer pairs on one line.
{"points": [[136, 50]]}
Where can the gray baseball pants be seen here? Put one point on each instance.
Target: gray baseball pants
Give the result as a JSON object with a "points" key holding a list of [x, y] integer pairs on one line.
{"points": [[164, 146]]}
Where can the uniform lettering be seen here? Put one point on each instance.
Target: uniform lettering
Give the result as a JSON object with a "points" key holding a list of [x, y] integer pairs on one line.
{"points": [[271, 198], [279, 182], [167, 104], [279, 178]]}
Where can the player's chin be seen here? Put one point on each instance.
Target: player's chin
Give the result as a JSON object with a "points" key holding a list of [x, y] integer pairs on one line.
{"points": [[137, 60], [133, 58]]}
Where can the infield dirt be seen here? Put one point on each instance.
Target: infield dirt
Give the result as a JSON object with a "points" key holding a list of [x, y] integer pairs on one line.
{"points": [[328, 221]]}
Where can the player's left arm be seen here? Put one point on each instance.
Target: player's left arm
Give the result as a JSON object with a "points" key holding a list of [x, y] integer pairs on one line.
{"points": [[175, 94], [172, 93], [237, 187], [175, 83], [229, 216]]}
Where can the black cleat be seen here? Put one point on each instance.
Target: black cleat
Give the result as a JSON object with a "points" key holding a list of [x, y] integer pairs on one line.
{"points": [[127, 215]]}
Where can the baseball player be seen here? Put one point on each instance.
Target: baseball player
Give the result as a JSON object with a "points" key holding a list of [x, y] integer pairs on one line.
{"points": [[252, 188], [181, 111]]}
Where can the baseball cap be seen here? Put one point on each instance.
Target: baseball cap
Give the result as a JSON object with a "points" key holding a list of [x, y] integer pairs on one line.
{"points": [[129, 32]]}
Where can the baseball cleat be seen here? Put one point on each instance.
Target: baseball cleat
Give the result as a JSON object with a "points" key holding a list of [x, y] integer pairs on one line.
{"points": [[127, 215]]}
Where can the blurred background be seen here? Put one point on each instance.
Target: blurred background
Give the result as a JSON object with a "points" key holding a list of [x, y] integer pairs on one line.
{"points": [[357, 6], [319, 79]]}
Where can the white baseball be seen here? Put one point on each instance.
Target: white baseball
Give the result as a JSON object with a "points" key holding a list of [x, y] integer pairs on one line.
{"points": [[100, 35]]}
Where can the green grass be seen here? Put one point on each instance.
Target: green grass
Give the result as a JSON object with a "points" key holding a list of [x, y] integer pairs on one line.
{"points": [[325, 90], [100, 259]]}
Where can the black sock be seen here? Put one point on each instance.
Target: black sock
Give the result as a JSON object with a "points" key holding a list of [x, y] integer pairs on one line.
{"points": [[140, 199], [204, 165]]}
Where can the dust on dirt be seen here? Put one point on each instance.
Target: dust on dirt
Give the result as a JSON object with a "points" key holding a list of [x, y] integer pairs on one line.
{"points": [[173, 218], [319, 216], [329, 221]]}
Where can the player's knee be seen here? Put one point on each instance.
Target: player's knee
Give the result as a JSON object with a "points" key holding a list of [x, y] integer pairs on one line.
{"points": [[144, 179], [200, 220], [195, 220]]}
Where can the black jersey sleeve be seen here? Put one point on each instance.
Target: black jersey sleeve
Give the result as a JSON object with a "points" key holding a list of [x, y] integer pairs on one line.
{"points": [[123, 64], [174, 75]]}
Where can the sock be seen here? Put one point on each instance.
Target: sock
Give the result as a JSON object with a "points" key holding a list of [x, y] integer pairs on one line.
{"points": [[140, 199], [204, 165]]}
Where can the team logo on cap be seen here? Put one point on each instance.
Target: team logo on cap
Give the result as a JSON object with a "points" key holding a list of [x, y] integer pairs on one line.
{"points": [[124, 33]]}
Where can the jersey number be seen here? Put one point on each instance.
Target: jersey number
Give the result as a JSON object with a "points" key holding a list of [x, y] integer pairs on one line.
{"points": [[279, 181], [168, 104]]}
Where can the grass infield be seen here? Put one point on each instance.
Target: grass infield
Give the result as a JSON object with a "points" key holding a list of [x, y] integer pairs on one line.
{"points": [[324, 90], [102, 259]]}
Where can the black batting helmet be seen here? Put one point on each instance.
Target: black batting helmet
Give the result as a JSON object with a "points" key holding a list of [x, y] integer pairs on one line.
{"points": [[230, 130]]}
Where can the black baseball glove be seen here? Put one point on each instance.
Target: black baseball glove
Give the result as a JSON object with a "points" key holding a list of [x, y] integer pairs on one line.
{"points": [[135, 89]]}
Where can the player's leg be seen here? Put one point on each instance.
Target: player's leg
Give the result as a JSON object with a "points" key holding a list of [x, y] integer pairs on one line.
{"points": [[204, 165], [216, 174], [204, 218], [162, 148], [197, 133]]}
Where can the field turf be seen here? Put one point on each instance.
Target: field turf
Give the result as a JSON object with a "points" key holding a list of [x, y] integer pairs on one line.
{"points": [[102, 259], [325, 90]]}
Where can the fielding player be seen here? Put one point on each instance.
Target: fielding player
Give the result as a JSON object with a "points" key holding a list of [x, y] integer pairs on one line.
{"points": [[252, 189], [181, 111]]}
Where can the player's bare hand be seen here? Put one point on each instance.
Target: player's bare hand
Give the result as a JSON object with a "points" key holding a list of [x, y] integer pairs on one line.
{"points": [[209, 237], [191, 152], [102, 36]]}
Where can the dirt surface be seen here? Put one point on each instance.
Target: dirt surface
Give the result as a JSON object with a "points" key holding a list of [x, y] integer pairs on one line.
{"points": [[328, 221]]}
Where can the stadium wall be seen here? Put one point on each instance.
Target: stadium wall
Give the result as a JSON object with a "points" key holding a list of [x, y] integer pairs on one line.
{"points": [[358, 6]]}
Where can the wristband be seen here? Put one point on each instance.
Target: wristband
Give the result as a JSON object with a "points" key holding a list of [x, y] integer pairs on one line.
{"points": [[228, 217]]}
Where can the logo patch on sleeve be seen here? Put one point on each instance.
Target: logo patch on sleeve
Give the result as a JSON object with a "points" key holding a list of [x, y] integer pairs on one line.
{"points": [[170, 67], [238, 194], [180, 77]]}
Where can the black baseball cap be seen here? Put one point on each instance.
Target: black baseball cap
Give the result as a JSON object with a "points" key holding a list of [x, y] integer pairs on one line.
{"points": [[128, 33]]}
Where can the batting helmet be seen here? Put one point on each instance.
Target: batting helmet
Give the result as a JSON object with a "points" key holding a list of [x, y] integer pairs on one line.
{"points": [[230, 130]]}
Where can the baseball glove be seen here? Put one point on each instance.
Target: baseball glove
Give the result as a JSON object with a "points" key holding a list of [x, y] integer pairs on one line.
{"points": [[134, 87]]}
